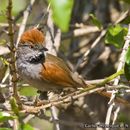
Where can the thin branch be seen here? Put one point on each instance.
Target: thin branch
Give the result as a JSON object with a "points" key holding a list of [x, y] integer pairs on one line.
{"points": [[12, 65], [74, 95], [57, 40], [50, 35], [120, 66], [102, 34], [25, 18], [115, 115], [50, 41], [12, 49], [30, 109], [84, 30], [81, 32], [15, 124], [5, 76], [55, 103]]}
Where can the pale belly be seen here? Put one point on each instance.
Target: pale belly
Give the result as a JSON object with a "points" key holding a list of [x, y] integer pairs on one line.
{"points": [[30, 73]]}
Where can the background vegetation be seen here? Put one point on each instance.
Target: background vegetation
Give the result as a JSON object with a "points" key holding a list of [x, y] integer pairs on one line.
{"points": [[93, 37]]}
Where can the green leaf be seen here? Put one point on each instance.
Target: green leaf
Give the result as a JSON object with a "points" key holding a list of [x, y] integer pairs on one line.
{"points": [[5, 129], [27, 127], [115, 35], [95, 21], [4, 116], [28, 91], [61, 13], [14, 106]]}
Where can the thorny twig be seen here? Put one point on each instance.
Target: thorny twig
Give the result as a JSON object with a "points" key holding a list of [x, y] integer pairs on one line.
{"points": [[12, 49], [12, 57], [55, 103], [30, 109], [81, 31], [120, 66]]}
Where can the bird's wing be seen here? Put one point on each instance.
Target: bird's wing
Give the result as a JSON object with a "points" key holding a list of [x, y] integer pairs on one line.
{"points": [[57, 72]]}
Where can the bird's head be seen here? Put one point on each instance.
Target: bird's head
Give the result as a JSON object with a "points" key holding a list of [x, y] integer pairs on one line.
{"points": [[32, 45]]}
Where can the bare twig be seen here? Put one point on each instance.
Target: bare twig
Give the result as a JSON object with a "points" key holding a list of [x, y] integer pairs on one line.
{"points": [[81, 31], [120, 66], [12, 56], [102, 34], [57, 40], [67, 99], [87, 52], [12, 49], [50, 41], [55, 103], [115, 115], [50, 35], [122, 17], [25, 17], [5, 76], [15, 124], [77, 94]]}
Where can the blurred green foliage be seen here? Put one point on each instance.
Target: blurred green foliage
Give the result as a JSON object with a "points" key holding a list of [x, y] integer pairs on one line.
{"points": [[14, 106], [126, 1], [4, 116], [123, 118], [27, 127], [95, 21], [18, 5], [61, 13], [115, 35], [5, 129], [28, 91]]}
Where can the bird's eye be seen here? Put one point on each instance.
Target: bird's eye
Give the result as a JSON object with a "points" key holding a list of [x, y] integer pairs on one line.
{"points": [[31, 46]]}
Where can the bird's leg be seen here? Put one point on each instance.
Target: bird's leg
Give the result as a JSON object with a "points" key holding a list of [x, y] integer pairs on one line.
{"points": [[41, 99]]}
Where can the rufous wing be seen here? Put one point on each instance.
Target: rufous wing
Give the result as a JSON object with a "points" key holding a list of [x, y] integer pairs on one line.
{"points": [[57, 72]]}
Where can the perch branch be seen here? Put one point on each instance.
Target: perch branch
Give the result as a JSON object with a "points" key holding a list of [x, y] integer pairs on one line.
{"points": [[75, 95], [12, 49]]}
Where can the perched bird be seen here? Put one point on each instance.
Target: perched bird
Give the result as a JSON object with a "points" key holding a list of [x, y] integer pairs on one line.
{"points": [[44, 71], [40, 69]]}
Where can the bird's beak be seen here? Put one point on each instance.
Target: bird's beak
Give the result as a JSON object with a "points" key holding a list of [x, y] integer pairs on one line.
{"points": [[45, 49]]}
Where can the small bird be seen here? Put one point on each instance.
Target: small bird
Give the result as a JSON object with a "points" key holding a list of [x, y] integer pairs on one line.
{"points": [[44, 71], [40, 69]]}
